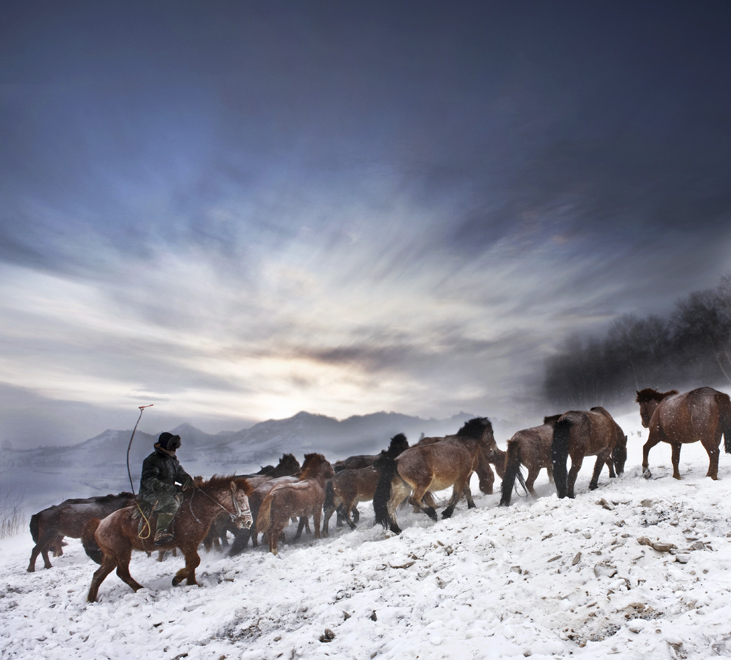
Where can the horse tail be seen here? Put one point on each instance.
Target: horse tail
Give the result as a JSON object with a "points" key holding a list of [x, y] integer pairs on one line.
{"points": [[725, 405], [560, 453], [34, 524], [91, 548], [512, 469], [382, 496], [264, 517]]}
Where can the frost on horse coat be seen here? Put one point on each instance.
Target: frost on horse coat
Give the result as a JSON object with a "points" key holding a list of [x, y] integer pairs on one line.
{"points": [[702, 414]]}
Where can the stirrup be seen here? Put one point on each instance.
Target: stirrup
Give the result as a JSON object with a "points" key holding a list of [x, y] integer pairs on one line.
{"points": [[163, 538]]}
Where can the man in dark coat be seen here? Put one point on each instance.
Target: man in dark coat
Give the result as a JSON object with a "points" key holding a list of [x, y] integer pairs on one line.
{"points": [[160, 473]]}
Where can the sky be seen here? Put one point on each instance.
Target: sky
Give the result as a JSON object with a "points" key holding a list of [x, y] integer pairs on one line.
{"points": [[241, 210]]}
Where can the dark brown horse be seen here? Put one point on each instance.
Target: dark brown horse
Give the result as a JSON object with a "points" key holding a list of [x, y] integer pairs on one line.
{"points": [[295, 500], [48, 527], [398, 444], [435, 466], [531, 448], [345, 490], [119, 533], [287, 466], [579, 433], [703, 414]]}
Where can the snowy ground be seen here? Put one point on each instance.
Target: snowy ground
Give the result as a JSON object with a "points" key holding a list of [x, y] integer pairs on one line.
{"points": [[544, 579]]}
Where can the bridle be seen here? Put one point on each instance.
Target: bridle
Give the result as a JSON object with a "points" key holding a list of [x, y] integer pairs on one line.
{"points": [[239, 511]]}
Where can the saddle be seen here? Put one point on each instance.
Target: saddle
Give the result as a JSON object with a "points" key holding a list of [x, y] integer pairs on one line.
{"points": [[145, 513]]}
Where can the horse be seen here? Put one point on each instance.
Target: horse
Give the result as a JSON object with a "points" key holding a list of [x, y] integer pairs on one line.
{"points": [[287, 466], [255, 500], [437, 465], [580, 433], [702, 414], [300, 499], [398, 444], [217, 536], [531, 448], [345, 490], [119, 533], [49, 526]]}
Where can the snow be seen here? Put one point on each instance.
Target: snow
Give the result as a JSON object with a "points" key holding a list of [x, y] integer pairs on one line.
{"points": [[544, 578]]}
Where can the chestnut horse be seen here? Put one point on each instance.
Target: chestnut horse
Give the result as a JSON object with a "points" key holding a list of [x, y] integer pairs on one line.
{"points": [[579, 433], [703, 414], [48, 527], [435, 465], [531, 448], [398, 444], [300, 499], [118, 534]]}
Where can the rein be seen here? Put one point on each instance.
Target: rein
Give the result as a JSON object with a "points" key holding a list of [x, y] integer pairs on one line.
{"points": [[238, 511]]}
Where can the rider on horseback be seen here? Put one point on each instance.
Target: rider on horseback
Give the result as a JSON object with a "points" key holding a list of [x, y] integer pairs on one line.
{"points": [[160, 473]]}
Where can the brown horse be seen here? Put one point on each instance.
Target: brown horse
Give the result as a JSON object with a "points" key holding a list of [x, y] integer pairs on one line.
{"points": [[398, 444], [579, 433], [255, 500], [287, 466], [435, 466], [531, 448], [48, 527], [345, 490], [119, 533], [703, 414], [300, 499], [217, 536]]}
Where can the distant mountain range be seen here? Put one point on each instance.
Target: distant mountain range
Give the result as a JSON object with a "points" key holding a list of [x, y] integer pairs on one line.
{"points": [[99, 465]]}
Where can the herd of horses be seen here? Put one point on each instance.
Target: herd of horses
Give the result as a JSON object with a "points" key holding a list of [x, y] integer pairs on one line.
{"points": [[265, 503]]}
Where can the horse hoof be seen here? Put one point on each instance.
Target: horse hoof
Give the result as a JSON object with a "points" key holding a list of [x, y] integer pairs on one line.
{"points": [[646, 473], [176, 582]]}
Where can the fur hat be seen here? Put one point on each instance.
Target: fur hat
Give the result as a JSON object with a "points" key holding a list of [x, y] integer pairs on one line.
{"points": [[169, 441]]}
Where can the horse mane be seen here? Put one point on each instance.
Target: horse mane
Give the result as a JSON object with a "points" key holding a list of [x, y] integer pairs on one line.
{"points": [[218, 481], [551, 419], [398, 444], [648, 394], [311, 466], [475, 428]]}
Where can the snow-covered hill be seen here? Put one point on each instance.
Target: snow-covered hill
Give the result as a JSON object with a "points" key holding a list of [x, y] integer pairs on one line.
{"points": [[541, 579]]}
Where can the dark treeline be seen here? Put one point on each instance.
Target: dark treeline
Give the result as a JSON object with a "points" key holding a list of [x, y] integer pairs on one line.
{"points": [[692, 347]]}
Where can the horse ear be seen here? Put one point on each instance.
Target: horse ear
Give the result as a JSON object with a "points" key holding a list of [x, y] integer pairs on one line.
{"points": [[233, 486]]}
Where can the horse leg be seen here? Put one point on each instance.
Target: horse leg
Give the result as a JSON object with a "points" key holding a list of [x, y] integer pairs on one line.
{"points": [[573, 473], [316, 515], [347, 508], [355, 514], [108, 564], [601, 459], [676, 460], [326, 520], [549, 469], [468, 496], [192, 560], [713, 454], [457, 492], [33, 556], [399, 492], [300, 527], [652, 440], [123, 571], [419, 492], [531, 479]]}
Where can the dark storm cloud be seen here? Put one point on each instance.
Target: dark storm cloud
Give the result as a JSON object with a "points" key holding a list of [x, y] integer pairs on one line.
{"points": [[253, 176]]}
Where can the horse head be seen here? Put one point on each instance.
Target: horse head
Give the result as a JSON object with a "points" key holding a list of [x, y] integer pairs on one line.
{"points": [[619, 453], [240, 502], [649, 400]]}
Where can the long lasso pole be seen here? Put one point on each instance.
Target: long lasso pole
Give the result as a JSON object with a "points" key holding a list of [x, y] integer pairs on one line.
{"points": [[129, 473]]}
